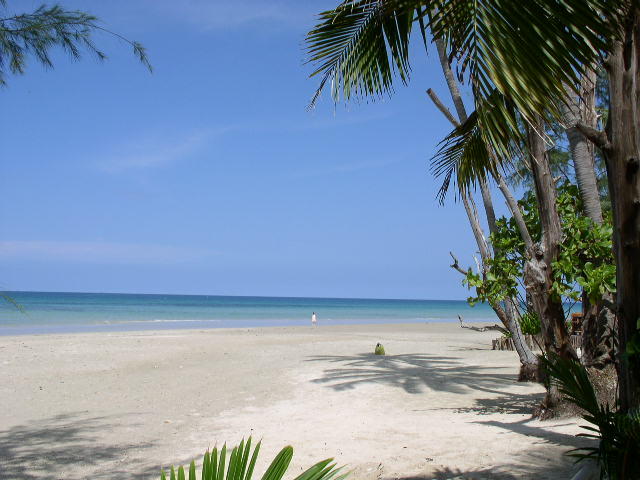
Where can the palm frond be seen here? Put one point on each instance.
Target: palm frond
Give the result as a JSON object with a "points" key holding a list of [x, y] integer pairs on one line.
{"points": [[360, 45], [573, 382], [462, 157], [528, 51], [242, 461], [464, 154]]}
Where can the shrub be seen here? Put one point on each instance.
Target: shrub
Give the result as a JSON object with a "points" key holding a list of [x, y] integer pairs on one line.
{"points": [[379, 349]]}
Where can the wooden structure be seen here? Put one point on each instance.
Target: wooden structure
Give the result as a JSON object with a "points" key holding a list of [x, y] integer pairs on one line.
{"points": [[534, 342], [576, 323], [506, 343]]}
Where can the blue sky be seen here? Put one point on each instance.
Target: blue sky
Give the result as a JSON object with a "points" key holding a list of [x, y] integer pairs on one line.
{"points": [[209, 176]]}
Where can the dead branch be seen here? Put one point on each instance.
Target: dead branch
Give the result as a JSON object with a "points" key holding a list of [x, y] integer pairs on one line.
{"points": [[498, 328], [445, 111], [456, 265]]}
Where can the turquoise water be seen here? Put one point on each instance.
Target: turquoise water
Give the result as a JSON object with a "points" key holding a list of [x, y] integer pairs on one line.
{"points": [[44, 312]]}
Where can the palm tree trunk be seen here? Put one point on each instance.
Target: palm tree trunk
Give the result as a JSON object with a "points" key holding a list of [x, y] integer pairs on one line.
{"points": [[582, 152], [508, 313]]}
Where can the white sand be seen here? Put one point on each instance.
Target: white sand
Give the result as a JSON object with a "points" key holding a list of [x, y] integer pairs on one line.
{"points": [[440, 404]]}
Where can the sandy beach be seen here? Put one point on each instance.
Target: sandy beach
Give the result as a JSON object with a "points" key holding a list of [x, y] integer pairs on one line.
{"points": [[441, 404]]}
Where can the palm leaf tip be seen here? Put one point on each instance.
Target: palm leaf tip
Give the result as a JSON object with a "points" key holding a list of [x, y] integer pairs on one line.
{"points": [[462, 156], [359, 47]]}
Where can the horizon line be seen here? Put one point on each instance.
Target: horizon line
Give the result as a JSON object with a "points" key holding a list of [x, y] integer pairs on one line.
{"points": [[241, 296]]}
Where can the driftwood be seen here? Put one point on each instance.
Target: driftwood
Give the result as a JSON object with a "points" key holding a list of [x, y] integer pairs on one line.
{"points": [[483, 329]]}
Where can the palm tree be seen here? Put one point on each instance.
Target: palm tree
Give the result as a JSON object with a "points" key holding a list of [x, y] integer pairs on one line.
{"points": [[506, 311], [518, 57]]}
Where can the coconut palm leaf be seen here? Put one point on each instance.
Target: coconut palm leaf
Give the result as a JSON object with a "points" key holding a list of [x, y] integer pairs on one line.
{"points": [[360, 45], [528, 52], [618, 433], [242, 462], [464, 154]]}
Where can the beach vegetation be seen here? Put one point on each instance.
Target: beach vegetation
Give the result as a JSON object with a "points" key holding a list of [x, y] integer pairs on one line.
{"points": [[530, 323], [584, 264], [241, 464], [617, 432], [379, 350]]}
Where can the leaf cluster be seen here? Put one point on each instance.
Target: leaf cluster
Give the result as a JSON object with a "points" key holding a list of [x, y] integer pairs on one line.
{"points": [[586, 253], [585, 261]]}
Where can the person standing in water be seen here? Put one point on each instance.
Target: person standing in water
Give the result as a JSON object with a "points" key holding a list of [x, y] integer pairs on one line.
{"points": [[314, 319]]}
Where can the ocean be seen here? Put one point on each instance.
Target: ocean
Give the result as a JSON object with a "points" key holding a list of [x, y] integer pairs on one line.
{"points": [[49, 312]]}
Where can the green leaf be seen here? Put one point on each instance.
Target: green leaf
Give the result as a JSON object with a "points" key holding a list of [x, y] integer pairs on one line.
{"points": [[214, 465], [252, 464], [279, 465], [221, 462], [206, 466]]}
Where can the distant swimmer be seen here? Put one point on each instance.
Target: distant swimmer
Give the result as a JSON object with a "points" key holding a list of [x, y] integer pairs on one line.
{"points": [[314, 319]]}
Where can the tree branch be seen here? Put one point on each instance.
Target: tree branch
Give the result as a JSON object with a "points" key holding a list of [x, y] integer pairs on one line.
{"points": [[445, 111], [456, 265], [498, 328], [598, 137]]}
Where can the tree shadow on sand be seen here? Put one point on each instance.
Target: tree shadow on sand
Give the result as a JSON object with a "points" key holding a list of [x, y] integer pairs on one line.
{"points": [[414, 373], [63, 446], [536, 465]]}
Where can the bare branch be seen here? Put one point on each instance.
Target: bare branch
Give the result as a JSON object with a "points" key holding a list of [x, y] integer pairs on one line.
{"points": [[441, 106], [456, 265]]}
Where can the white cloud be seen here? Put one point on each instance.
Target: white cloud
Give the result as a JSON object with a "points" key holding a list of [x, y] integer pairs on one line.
{"points": [[347, 168], [157, 150], [102, 252]]}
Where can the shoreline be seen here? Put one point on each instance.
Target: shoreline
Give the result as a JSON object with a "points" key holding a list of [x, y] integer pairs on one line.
{"points": [[439, 404], [179, 325]]}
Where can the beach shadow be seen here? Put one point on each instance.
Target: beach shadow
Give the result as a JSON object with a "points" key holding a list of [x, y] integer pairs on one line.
{"points": [[507, 403], [414, 373], [544, 435], [535, 465], [54, 448]]}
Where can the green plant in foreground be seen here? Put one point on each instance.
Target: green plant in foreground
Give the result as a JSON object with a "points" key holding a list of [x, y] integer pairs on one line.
{"points": [[379, 349], [618, 434], [242, 462]]}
